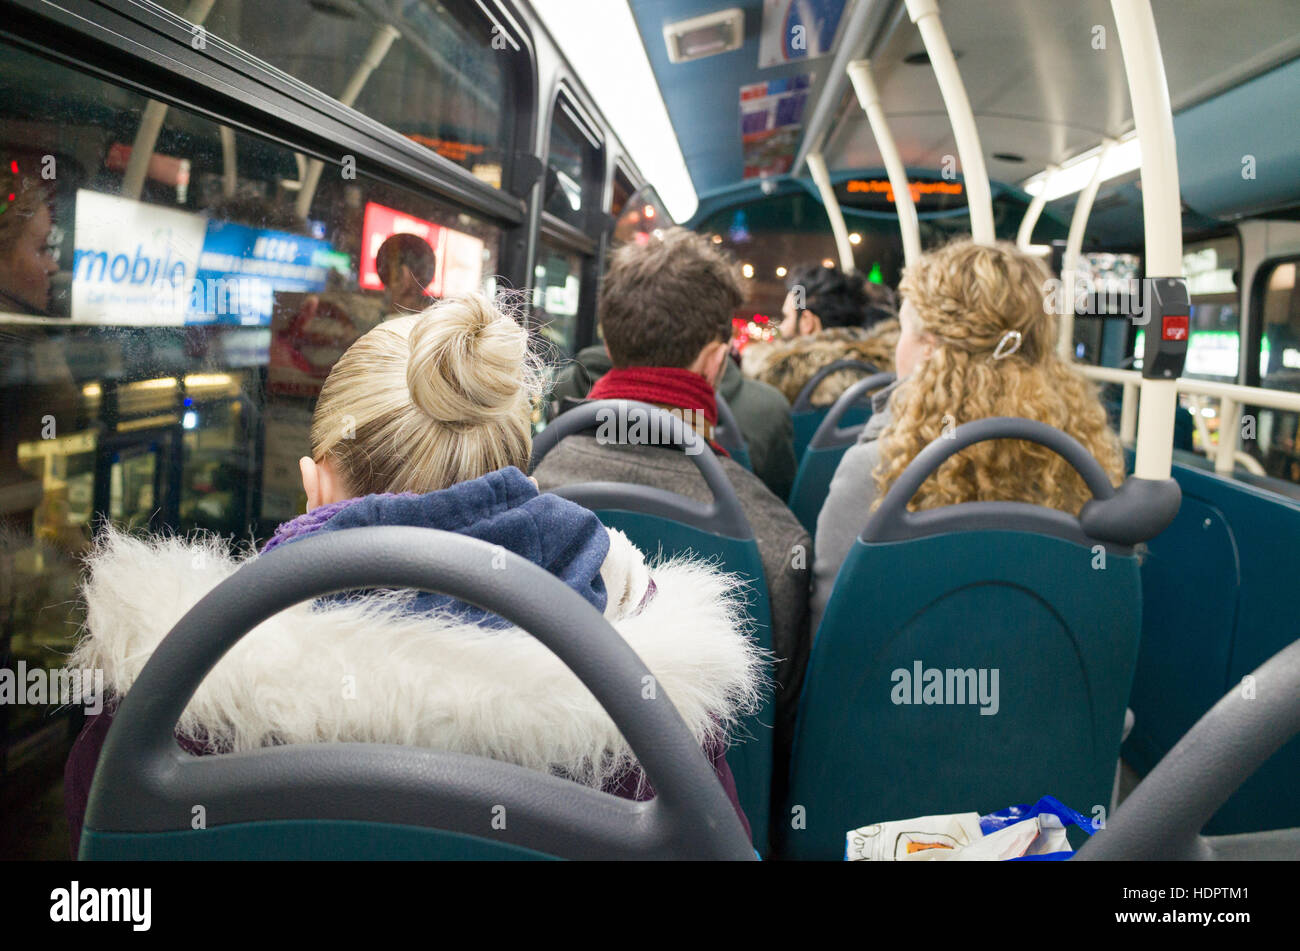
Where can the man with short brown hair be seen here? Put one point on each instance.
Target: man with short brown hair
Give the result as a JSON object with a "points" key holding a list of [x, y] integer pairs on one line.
{"points": [[665, 310]]}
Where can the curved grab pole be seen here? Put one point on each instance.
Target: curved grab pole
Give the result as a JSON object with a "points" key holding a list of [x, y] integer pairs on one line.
{"points": [[817, 167], [1034, 211], [1164, 815], [1161, 209], [869, 99], [925, 14], [1073, 245]]}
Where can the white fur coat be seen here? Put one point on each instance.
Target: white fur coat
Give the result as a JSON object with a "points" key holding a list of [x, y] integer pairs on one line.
{"points": [[367, 671]]}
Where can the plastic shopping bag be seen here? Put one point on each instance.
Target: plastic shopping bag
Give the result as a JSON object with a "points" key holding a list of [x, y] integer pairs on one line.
{"points": [[1018, 832]]}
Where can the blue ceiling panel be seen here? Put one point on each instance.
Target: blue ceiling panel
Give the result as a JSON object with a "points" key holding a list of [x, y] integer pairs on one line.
{"points": [[703, 96]]}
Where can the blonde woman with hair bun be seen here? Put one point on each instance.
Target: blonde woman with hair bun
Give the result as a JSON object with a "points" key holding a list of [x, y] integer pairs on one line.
{"points": [[426, 421], [977, 340]]}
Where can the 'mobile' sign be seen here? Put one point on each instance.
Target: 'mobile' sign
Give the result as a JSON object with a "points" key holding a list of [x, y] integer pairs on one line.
{"points": [[124, 252]]}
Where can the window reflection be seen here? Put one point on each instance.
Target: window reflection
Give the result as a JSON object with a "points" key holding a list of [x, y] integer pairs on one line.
{"points": [[170, 304]]}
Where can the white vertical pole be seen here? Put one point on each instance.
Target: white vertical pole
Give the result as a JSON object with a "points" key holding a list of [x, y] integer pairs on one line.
{"points": [[1225, 458], [1161, 209], [1128, 415], [979, 197], [1073, 245], [380, 43], [1034, 211], [151, 123], [869, 100], [817, 166]]}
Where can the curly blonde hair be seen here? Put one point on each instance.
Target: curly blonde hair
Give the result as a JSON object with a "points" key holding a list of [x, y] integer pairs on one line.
{"points": [[968, 296]]}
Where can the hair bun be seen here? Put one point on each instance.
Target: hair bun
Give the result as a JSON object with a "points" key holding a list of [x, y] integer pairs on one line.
{"points": [[468, 362]]}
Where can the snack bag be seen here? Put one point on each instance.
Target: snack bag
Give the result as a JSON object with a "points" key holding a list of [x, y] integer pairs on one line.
{"points": [[1016, 833]]}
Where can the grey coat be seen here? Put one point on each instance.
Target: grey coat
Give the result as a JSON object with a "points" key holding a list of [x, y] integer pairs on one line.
{"points": [[783, 544], [848, 502]]}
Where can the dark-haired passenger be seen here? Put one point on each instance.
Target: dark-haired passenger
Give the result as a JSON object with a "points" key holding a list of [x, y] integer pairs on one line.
{"points": [[827, 316]]}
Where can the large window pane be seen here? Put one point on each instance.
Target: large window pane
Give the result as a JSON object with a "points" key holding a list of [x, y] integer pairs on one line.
{"points": [[557, 284], [427, 69], [570, 170], [1279, 369], [167, 317]]}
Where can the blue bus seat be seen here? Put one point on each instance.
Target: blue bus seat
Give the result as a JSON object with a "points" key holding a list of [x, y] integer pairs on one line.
{"points": [[662, 522], [827, 447], [962, 593], [1219, 590], [361, 801], [806, 417], [729, 437]]}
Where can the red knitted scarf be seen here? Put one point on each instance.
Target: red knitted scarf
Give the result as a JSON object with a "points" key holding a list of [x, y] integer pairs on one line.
{"points": [[663, 386]]}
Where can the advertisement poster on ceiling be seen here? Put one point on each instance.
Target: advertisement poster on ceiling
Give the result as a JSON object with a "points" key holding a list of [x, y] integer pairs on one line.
{"points": [[133, 263], [795, 30], [458, 256], [771, 121]]}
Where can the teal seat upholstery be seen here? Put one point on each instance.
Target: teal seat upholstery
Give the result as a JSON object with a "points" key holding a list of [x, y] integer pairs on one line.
{"points": [[729, 437], [974, 656], [662, 522], [1220, 591], [385, 801], [829, 444], [806, 417]]}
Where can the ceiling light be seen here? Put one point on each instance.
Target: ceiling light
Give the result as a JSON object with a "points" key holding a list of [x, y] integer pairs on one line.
{"points": [[709, 35], [1074, 175]]}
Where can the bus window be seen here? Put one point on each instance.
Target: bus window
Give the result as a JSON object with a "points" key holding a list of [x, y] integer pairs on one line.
{"points": [[557, 282], [159, 367], [623, 190], [1211, 268], [438, 80], [572, 169], [1279, 369]]}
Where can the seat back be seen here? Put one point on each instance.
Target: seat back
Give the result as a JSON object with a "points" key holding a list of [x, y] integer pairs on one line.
{"points": [[806, 417], [729, 437], [664, 523], [973, 656], [1219, 590], [384, 801], [829, 444]]}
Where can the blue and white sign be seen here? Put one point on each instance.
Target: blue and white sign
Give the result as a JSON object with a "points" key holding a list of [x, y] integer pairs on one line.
{"points": [[241, 268], [126, 251], [795, 30]]}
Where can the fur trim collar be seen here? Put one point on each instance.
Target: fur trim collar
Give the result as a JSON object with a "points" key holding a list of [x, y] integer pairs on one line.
{"points": [[790, 364], [366, 671]]}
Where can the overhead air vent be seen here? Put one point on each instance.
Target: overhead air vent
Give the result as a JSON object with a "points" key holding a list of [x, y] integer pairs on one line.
{"points": [[709, 35]]}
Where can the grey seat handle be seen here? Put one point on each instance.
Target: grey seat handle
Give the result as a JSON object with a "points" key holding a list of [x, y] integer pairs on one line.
{"points": [[803, 402], [145, 783], [1139, 510], [1164, 815], [617, 418], [829, 435]]}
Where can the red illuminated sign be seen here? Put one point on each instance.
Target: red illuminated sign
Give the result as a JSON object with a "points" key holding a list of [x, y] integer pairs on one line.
{"points": [[459, 255], [1174, 327]]}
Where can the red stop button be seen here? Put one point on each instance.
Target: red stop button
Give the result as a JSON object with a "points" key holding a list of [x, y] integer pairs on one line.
{"points": [[1174, 327]]}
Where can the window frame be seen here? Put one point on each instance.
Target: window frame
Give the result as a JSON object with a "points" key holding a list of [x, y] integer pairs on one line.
{"points": [[147, 49]]}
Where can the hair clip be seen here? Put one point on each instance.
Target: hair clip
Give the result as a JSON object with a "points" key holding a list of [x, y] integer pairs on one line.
{"points": [[1011, 337]]}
